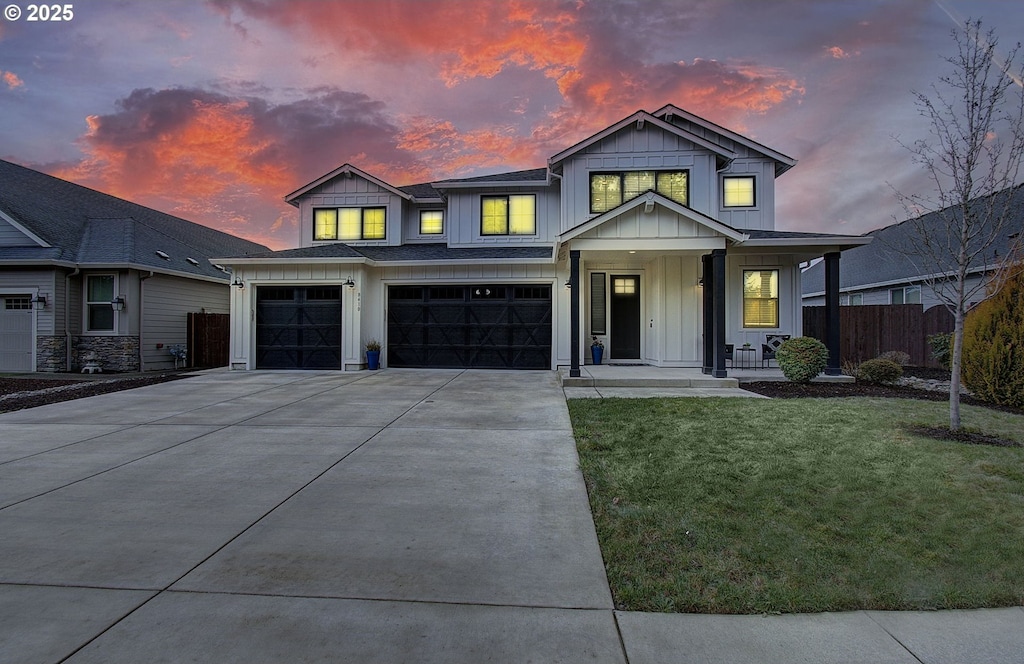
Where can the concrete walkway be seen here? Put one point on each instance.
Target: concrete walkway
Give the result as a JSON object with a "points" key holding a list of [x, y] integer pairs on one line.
{"points": [[393, 516]]}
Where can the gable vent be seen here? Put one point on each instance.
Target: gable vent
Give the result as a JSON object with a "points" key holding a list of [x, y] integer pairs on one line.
{"points": [[193, 261], [163, 255]]}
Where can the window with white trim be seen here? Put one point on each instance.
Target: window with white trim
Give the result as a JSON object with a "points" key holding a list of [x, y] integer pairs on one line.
{"points": [[349, 223], [738, 191], [99, 293], [905, 295], [508, 215], [760, 298], [856, 299]]}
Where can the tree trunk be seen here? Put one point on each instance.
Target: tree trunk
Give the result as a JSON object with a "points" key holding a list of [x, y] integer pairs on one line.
{"points": [[954, 370]]}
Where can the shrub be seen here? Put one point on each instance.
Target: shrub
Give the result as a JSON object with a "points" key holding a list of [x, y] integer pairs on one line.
{"points": [[993, 355], [802, 358], [897, 356], [879, 370], [942, 347]]}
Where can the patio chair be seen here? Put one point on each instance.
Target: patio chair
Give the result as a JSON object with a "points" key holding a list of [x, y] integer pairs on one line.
{"points": [[770, 347]]}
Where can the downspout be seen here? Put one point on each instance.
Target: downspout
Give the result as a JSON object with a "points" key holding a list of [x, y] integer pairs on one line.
{"points": [[67, 317], [142, 319]]}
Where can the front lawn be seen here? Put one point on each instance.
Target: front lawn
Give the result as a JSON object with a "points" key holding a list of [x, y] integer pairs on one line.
{"points": [[750, 506]]}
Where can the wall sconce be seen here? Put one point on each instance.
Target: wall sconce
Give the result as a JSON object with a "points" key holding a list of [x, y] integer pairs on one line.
{"points": [[700, 282], [238, 282], [117, 304], [349, 283], [568, 283], [39, 299]]}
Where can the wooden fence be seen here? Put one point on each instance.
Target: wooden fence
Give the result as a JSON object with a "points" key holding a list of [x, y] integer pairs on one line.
{"points": [[868, 331], [208, 340]]}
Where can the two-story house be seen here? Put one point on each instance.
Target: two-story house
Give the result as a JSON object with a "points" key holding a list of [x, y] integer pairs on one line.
{"points": [[656, 235]]}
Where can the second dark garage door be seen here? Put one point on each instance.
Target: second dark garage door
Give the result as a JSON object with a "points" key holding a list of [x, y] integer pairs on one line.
{"points": [[503, 326]]}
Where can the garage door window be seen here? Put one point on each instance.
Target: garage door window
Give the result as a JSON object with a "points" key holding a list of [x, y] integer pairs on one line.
{"points": [[99, 292]]}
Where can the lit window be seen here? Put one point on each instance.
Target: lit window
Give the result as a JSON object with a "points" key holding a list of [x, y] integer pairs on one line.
{"points": [[738, 191], [508, 215], [760, 298], [624, 286], [99, 292], [349, 224], [609, 190], [431, 222]]}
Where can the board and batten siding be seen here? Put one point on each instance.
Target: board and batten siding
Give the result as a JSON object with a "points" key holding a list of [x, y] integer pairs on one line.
{"points": [[762, 215], [351, 192], [659, 223], [167, 302], [464, 216]]}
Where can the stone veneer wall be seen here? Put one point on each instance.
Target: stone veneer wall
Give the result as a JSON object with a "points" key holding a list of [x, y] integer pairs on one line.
{"points": [[51, 353], [113, 353]]}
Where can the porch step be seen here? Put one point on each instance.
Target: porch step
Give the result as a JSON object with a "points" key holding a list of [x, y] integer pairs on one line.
{"points": [[648, 378]]}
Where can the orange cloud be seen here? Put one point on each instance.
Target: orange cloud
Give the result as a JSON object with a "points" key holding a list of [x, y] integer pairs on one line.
{"points": [[838, 53], [11, 79]]}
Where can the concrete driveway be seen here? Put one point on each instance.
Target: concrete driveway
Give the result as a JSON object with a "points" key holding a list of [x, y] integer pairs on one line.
{"points": [[288, 516]]}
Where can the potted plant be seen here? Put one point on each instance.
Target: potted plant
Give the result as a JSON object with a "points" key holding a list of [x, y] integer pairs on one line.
{"points": [[373, 354], [596, 350]]}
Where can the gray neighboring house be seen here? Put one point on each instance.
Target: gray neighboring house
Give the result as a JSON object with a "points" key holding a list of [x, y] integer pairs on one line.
{"points": [[84, 273], [877, 274]]}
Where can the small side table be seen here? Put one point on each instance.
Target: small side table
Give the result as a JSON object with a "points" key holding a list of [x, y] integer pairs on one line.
{"points": [[746, 357]]}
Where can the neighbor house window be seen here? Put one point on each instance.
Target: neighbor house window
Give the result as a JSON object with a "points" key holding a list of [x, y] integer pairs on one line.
{"points": [[609, 190], [431, 222], [905, 295], [738, 191], [856, 299], [349, 223], [760, 298], [99, 292], [508, 215]]}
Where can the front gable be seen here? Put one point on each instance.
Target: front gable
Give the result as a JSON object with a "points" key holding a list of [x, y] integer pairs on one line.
{"points": [[652, 217], [13, 234]]}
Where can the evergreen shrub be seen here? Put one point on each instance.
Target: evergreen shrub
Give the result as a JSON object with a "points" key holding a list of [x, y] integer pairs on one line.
{"points": [[879, 370], [802, 358], [993, 354]]}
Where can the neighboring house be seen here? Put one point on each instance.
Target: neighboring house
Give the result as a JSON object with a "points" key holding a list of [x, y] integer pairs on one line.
{"points": [[84, 274], [656, 235], [887, 271]]}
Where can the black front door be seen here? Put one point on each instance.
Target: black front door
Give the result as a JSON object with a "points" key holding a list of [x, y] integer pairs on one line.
{"points": [[625, 315]]}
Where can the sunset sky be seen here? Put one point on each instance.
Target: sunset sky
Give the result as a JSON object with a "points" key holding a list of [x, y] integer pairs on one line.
{"points": [[214, 111]]}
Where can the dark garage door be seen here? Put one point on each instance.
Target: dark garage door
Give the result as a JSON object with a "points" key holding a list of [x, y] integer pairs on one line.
{"points": [[298, 328], [485, 327]]}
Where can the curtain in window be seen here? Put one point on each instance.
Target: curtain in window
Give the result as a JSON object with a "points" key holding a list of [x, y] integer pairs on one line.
{"points": [[373, 224], [325, 224], [350, 221], [494, 216], [521, 217], [760, 298]]}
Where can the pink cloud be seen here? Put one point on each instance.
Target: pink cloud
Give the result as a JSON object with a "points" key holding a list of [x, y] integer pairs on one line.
{"points": [[11, 79]]}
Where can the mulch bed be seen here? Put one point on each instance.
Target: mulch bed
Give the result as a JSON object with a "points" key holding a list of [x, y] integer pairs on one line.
{"points": [[17, 393]]}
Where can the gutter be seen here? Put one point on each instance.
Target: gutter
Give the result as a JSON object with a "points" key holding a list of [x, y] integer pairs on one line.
{"points": [[67, 317]]}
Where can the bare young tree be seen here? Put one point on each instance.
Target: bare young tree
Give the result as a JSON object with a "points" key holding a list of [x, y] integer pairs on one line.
{"points": [[972, 158]]}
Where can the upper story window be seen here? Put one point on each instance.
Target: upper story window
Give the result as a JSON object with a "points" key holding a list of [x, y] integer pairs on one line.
{"points": [[99, 293], [760, 298], [609, 190], [508, 215], [906, 295], [431, 222], [738, 191], [349, 223]]}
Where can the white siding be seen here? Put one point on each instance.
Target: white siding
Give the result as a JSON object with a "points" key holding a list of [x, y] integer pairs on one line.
{"points": [[351, 192], [464, 217], [659, 223], [167, 303], [762, 215]]}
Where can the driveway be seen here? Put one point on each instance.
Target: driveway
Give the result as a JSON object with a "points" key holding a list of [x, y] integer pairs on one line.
{"points": [[289, 516]]}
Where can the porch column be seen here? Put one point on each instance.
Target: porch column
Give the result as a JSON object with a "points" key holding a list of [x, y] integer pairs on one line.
{"points": [[832, 335], [718, 305], [709, 329], [574, 312]]}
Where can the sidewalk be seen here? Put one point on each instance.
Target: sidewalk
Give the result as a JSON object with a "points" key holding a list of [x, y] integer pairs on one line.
{"points": [[392, 516]]}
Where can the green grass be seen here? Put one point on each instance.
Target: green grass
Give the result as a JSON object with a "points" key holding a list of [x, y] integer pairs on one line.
{"points": [[801, 505]]}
